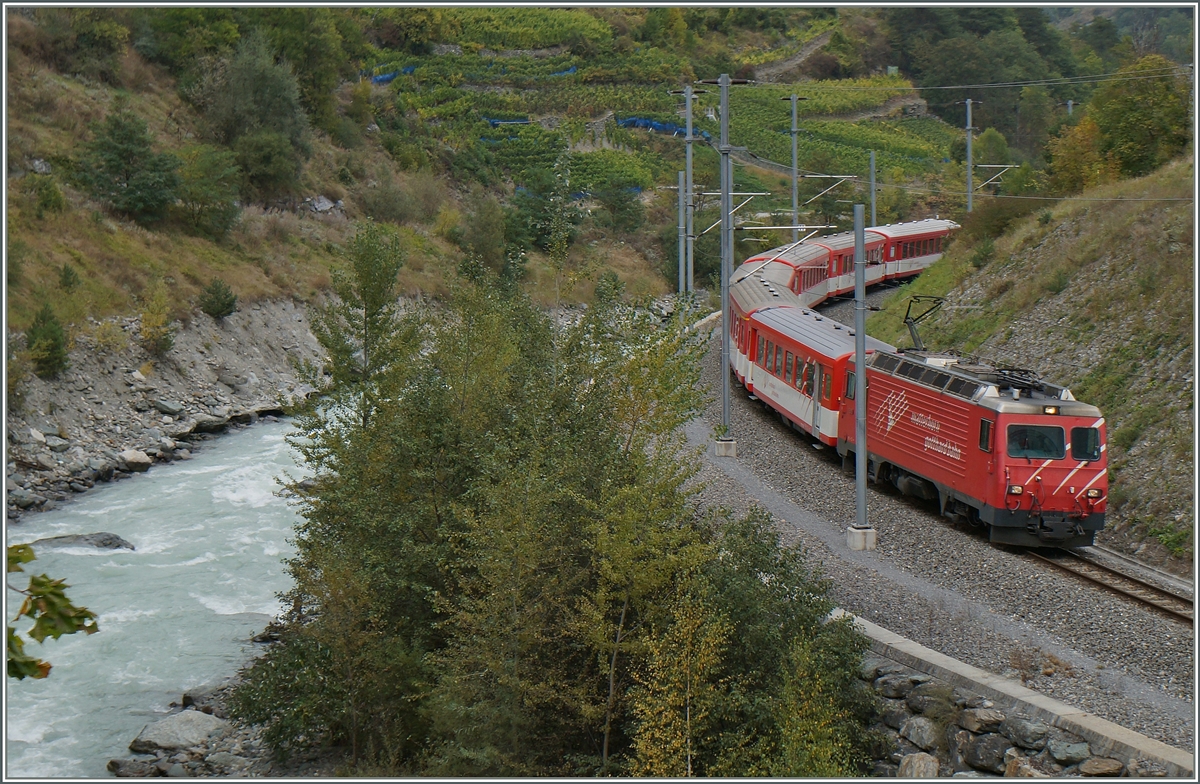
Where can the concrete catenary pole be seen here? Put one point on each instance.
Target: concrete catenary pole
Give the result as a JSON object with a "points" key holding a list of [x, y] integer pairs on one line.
{"points": [[726, 253], [682, 236], [691, 201], [860, 536], [970, 160]]}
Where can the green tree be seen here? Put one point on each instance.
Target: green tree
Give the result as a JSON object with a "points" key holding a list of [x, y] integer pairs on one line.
{"points": [[256, 95], [269, 163], [122, 170], [208, 189], [1077, 158], [217, 299], [311, 40], [991, 148], [52, 613], [47, 343], [1144, 118], [361, 327]]}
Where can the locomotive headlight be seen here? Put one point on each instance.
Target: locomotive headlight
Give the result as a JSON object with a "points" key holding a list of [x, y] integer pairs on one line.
{"points": [[1015, 489], [1095, 492], [1049, 409]]}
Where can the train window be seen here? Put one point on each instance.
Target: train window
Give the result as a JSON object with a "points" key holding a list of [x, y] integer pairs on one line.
{"points": [[962, 388], [910, 370], [1042, 442], [787, 368], [809, 372], [826, 383], [849, 385], [1085, 443], [770, 355], [886, 362], [893, 251], [779, 361], [935, 378], [761, 343], [985, 435]]}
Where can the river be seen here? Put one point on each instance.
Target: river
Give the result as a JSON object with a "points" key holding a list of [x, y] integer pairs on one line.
{"points": [[211, 536]]}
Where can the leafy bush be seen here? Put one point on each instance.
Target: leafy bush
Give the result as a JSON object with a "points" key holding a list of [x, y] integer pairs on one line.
{"points": [[46, 195], [208, 190], [270, 165], [217, 299], [47, 343], [157, 334]]}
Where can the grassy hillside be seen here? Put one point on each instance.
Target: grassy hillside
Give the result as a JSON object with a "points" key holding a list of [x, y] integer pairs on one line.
{"points": [[1096, 293]]}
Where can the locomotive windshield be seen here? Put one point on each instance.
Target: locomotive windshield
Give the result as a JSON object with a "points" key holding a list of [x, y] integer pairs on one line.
{"points": [[1085, 443], [1036, 442]]}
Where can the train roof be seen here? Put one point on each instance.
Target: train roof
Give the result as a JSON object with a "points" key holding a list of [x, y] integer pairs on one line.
{"points": [[753, 293], [846, 239], [913, 228], [795, 256], [824, 335], [1004, 390]]}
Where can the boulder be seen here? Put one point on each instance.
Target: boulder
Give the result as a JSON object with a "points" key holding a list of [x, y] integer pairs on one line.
{"points": [[873, 667], [209, 424], [131, 768], [895, 714], [1102, 767], [24, 498], [36, 436], [1144, 768], [986, 752], [46, 462], [980, 719], [57, 444], [103, 468], [1068, 753], [169, 407], [179, 731], [921, 731], [226, 761], [894, 686], [925, 696], [918, 766], [1023, 768], [179, 430], [134, 460], [102, 540], [1026, 733]]}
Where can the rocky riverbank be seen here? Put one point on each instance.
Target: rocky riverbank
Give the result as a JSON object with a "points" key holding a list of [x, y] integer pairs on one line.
{"points": [[116, 410]]}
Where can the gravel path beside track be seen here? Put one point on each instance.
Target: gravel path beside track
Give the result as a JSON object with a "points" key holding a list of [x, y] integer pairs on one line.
{"points": [[948, 588]]}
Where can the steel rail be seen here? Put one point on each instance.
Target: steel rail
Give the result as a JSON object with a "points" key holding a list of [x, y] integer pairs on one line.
{"points": [[1178, 607]]}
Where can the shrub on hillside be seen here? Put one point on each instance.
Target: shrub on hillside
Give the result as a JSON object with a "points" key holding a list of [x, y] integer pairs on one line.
{"points": [[47, 197], [217, 299], [121, 169], [47, 343], [256, 94], [68, 278], [208, 190], [269, 163], [157, 334]]}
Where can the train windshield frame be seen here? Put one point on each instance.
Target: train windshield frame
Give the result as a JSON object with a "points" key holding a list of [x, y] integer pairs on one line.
{"points": [[1037, 442]]}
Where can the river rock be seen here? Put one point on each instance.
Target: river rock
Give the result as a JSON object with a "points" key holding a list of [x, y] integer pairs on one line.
{"points": [[103, 468], [1101, 766], [918, 766], [980, 719], [135, 460], [921, 731], [131, 768], [986, 752], [102, 540], [46, 462], [24, 498], [209, 424], [57, 444], [1068, 753], [37, 436], [168, 407], [1026, 733], [180, 731], [226, 761]]}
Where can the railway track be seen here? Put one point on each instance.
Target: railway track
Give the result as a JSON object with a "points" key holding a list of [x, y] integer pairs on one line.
{"points": [[1178, 607]]}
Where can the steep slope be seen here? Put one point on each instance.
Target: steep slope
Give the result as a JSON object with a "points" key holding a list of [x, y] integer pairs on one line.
{"points": [[1096, 293]]}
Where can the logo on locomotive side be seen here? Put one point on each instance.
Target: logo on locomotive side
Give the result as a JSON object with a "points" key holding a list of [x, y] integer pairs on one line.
{"points": [[926, 421], [891, 411]]}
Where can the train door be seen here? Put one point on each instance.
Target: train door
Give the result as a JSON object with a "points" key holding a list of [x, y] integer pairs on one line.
{"points": [[825, 421], [806, 383]]}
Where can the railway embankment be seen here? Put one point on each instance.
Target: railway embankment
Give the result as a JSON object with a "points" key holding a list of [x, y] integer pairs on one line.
{"points": [[117, 411], [1095, 293], [945, 588]]}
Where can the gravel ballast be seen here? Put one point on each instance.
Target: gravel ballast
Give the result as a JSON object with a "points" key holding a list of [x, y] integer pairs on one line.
{"points": [[946, 587]]}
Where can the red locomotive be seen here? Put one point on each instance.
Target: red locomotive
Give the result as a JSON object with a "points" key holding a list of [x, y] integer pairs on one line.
{"points": [[993, 446]]}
